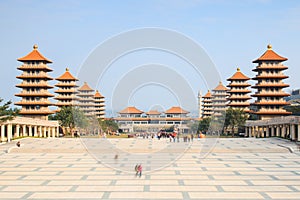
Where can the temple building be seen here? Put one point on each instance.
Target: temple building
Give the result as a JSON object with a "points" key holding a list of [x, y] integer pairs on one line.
{"points": [[86, 101], [207, 107], [219, 100], [238, 92], [132, 119], [34, 85], [66, 90], [99, 105], [269, 95]]}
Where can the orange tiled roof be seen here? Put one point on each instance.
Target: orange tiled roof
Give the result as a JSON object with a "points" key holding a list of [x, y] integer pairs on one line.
{"points": [[153, 112], [85, 87], [270, 55], [176, 110], [238, 76], [67, 76], [220, 87], [98, 95], [131, 110], [208, 94], [34, 55]]}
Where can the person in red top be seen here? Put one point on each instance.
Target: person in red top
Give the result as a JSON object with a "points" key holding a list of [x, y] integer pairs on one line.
{"points": [[139, 169]]}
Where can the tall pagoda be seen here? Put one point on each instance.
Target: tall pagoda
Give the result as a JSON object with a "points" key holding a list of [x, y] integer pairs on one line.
{"points": [[99, 105], [66, 90], [86, 99], [238, 92], [270, 96], [34, 85], [207, 107], [219, 100]]}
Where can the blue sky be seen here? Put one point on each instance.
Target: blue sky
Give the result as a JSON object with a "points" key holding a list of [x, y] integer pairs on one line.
{"points": [[232, 32]]}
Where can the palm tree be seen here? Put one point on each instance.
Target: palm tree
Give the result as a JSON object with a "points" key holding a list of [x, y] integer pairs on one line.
{"points": [[7, 113]]}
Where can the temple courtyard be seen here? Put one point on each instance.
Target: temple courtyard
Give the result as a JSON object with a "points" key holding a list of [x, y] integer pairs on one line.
{"points": [[211, 168]]}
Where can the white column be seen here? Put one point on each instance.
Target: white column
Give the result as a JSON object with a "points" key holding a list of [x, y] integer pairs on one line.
{"points": [[53, 131], [267, 131], [35, 130], [272, 131], [24, 130], [30, 131], [45, 131], [40, 131], [277, 131], [49, 132], [298, 133], [57, 131], [17, 130], [246, 132], [2, 132], [283, 132], [292, 131], [9, 132]]}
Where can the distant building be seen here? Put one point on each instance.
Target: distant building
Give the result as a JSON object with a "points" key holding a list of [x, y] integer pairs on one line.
{"points": [[132, 119], [207, 105], [66, 90], [238, 92], [219, 100], [34, 85], [269, 95], [294, 99]]}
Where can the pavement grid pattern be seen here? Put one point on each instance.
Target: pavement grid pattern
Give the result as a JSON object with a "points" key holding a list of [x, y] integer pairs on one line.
{"points": [[228, 168]]}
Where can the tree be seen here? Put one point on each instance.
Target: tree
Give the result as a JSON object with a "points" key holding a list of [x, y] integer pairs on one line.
{"points": [[108, 125], [7, 113], [235, 118], [193, 125], [294, 109], [71, 117], [204, 124]]}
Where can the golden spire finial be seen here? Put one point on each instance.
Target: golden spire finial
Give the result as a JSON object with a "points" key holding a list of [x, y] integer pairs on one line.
{"points": [[67, 69], [85, 82], [269, 47], [35, 46], [238, 69]]}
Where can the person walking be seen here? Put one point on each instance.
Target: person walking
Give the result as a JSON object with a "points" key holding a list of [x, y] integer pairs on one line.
{"points": [[140, 168], [136, 169]]}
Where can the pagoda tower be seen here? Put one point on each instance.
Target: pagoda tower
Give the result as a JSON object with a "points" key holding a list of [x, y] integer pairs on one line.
{"points": [[86, 101], [270, 96], [199, 104], [66, 90], [219, 100], [34, 85], [238, 92], [207, 107], [99, 105]]}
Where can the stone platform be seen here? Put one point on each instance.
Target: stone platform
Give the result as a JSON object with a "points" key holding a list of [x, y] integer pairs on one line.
{"points": [[61, 168]]}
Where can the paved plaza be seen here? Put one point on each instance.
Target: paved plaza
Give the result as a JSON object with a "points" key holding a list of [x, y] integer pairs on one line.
{"points": [[79, 168]]}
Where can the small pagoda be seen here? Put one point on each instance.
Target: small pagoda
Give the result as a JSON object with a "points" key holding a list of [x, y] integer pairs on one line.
{"points": [[34, 85], [99, 105], [219, 100], [270, 95], [238, 92], [207, 107], [86, 101], [66, 90]]}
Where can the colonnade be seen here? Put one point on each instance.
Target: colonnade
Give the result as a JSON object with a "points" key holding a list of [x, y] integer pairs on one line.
{"points": [[285, 127], [23, 126]]}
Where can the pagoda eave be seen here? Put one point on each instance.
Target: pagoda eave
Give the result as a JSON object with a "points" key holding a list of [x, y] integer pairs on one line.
{"points": [[34, 95], [269, 77]]}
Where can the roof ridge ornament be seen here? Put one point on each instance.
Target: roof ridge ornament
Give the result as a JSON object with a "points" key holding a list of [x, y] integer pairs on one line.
{"points": [[269, 47], [35, 46]]}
